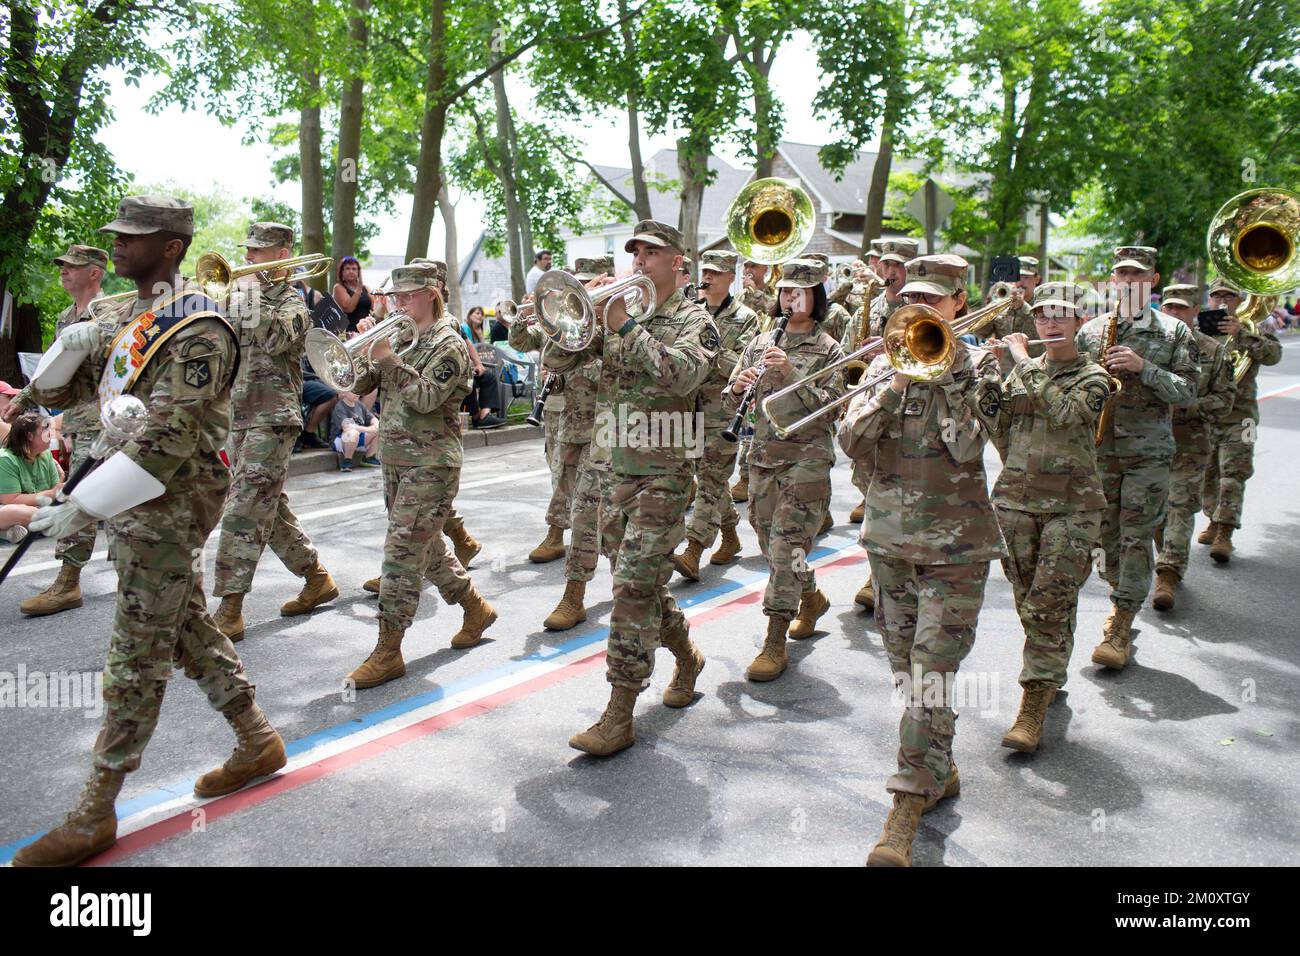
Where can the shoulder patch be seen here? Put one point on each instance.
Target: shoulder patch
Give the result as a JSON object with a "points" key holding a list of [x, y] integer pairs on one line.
{"points": [[1096, 399], [709, 337], [444, 372], [991, 402], [198, 373]]}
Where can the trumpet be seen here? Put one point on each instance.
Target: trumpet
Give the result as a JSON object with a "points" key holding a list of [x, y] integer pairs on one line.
{"points": [[338, 362], [214, 273]]}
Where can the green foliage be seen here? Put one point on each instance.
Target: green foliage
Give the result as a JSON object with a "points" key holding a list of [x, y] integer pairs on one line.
{"points": [[967, 225]]}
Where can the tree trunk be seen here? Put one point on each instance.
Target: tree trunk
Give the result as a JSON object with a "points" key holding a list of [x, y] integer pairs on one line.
{"points": [[451, 255], [640, 192], [693, 167], [428, 176], [525, 221], [309, 168], [506, 161], [764, 141], [878, 190], [347, 166]]}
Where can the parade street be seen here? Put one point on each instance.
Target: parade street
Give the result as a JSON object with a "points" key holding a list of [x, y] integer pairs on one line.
{"points": [[1190, 756]]}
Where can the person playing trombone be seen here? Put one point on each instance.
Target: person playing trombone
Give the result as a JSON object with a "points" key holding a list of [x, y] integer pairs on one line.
{"points": [[790, 483], [930, 534]]}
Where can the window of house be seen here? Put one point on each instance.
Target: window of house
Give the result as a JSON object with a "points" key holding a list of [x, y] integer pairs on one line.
{"points": [[609, 245]]}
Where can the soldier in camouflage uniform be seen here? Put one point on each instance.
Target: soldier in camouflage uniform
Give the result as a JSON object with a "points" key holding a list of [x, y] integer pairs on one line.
{"points": [[1048, 496], [790, 478], [737, 325], [272, 321], [1155, 358], [420, 447], [81, 269], [837, 318], [930, 534], [1019, 317], [646, 422], [171, 489], [1215, 391], [1232, 457], [754, 296]]}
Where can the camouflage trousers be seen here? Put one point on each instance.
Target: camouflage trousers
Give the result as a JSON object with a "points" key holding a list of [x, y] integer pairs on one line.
{"points": [[420, 502], [645, 524], [742, 456], [927, 616], [587, 519], [162, 621], [1224, 489], [1185, 477], [1049, 558], [565, 458], [1136, 490], [713, 508], [76, 548], [257, 510], [787, 506]]}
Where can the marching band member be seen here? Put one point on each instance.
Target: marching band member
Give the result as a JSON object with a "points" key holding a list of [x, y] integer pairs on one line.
{"points": [[1155, 358], [790, 481], [1215, 391], [837, 317], [1048, 495], [272, 321], [1232, 458], [930, 534], [162, 495], [754, 296], [420, 447], [650, 371], [736, 325]]}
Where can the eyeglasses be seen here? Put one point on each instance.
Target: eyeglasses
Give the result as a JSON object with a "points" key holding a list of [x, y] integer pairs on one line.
{"points": [[928, 298]]}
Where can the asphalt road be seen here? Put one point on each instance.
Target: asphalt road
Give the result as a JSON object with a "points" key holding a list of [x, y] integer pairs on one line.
{"points": [[1190, 756]]}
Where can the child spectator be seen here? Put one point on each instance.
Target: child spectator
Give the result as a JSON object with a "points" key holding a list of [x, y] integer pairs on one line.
{"points": [[353, 427]]}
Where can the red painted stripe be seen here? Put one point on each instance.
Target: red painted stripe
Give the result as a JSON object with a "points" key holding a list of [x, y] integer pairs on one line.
{"points": [[1284, 391]]}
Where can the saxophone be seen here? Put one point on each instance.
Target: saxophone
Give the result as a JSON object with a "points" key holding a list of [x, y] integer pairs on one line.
{"points": [[1116, 386]]}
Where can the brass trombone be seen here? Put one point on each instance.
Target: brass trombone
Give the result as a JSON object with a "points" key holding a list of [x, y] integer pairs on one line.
{"points": [[215, 275]]}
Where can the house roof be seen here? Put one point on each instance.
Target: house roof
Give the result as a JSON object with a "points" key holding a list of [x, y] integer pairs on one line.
{"points": [[849, 193]]}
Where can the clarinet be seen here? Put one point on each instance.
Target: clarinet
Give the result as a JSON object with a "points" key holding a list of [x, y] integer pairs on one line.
{"points": [[535, 416], [733, 431]]}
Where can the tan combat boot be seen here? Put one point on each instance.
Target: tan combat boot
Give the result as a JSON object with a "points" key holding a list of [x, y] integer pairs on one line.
{"points": [[613, 732], [1027, 732], [1166, 581], [63, 595], [772, 659], [680, 691], [827, 524], [259, 751], [866, 596], [1113, 652], [464, 544], [385, 661], [728, 548], [858, 513], [479, 616], [552, 546], [895, 846], [1207, 536], [90, 828], [812, 605], [950, 789], [372, 586], [740, 490], [1221, 549], [229, 617], [318, 589], [570, 612], [688, 562]]}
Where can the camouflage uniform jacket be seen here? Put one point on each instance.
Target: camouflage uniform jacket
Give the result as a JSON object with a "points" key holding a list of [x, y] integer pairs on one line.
{"points": [[928, 501], [272, 322], [808, 352], [81, 419], [655, 367], [187, 425], [760, 303], [846, 295], [737, 325], [1215, 392], [1141, 425], [1046, 435], [574, 393], [420, 423], [837, 321], [881, 310], [1265, 349]]}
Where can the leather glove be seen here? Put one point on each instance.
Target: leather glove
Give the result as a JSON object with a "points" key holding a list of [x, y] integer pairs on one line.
{"points": [[59, 520], [81, 337]]}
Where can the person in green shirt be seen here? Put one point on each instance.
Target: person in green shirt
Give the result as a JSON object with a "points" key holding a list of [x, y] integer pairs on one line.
{"points": [[27, 468]]}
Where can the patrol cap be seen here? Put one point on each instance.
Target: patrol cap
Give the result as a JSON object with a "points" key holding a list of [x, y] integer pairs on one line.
{"points": [[801, 274], [584, 270], [716, 260], [1222, 286], [896, 250], [1058, 298], [604, 265], [142, 215], [657, 234], [1135, 257], [686, 263], [937, 275], [83, 256], [1028, 265], [818, 256], [875, 246], [413, 278], [1188, 296], [438, 267], [265, 235]]}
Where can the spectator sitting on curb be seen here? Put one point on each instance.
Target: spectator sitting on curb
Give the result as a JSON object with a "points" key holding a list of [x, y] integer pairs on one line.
{"points": [[27, 469], [353, 428], [13, 522]]}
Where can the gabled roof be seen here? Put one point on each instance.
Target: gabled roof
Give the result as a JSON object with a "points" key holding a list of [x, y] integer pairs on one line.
{"points": [[849, 193], [664, 204]]}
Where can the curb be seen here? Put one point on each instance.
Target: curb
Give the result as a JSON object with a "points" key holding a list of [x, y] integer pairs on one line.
{"points": [[323, 459]]}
